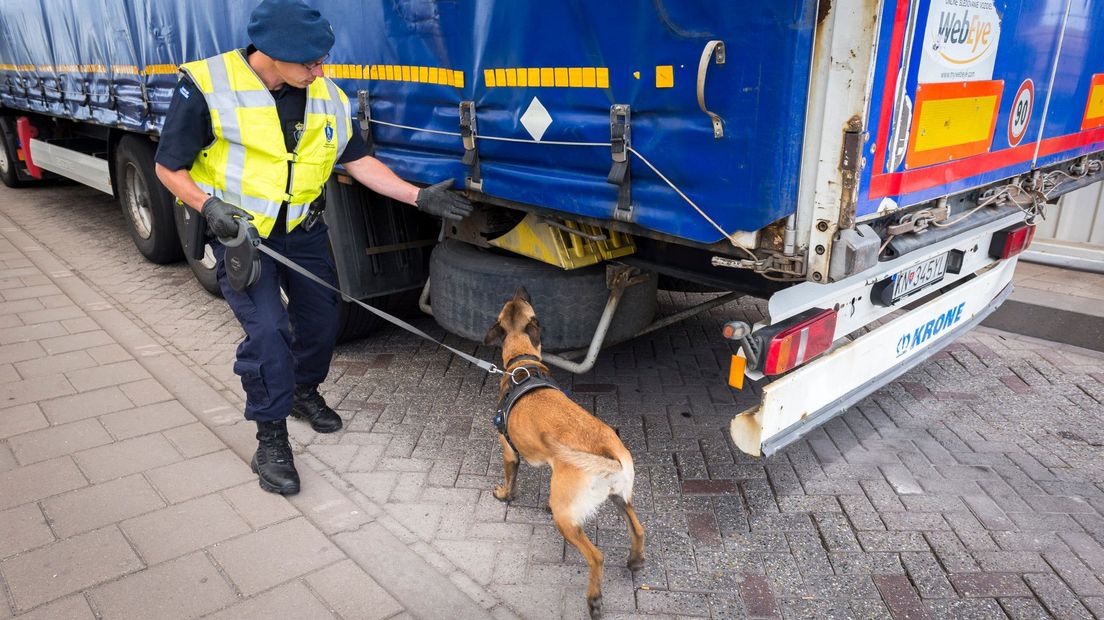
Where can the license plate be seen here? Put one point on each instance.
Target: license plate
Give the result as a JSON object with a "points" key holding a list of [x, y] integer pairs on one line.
{"points": [[916, 277]]}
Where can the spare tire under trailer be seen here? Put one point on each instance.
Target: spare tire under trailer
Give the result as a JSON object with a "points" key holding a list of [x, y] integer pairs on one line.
{"points": [[469, 285]]}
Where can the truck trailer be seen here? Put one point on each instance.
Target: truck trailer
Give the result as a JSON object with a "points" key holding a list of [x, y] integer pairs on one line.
{"points": [[870, 168]]}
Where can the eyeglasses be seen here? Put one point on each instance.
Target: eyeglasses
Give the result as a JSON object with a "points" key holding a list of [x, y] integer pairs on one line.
{"points": [[311, 66]]}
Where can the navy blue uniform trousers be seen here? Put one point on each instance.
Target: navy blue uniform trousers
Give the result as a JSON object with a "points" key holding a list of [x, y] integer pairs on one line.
{"points": [[284, 347]]}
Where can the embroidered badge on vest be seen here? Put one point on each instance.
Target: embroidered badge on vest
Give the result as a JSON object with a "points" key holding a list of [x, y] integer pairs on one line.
{"points": [[329, 134]]}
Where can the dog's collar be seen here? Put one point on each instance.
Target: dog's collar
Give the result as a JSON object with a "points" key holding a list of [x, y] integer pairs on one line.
{"points": [[524, 357]]}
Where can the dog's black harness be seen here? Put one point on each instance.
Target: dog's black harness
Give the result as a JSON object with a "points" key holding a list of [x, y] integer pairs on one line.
{"points": [[522, 380]]}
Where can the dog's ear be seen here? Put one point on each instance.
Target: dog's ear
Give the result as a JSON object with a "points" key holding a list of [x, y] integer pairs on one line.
{"points": [[494, 334], [522, 294], [532, 329]]}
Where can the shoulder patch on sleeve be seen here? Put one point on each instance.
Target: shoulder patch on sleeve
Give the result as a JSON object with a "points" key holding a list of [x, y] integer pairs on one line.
{"points": [[184, 92]]}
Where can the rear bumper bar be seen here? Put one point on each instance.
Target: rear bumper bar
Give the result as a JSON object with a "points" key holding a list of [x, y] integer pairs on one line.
{"points": [[813, 394]]}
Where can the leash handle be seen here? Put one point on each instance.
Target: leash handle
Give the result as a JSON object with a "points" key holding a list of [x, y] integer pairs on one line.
{"points": [[485, 365]]}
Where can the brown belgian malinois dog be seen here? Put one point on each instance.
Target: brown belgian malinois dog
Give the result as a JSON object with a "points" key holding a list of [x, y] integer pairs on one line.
{"points": [[589, 462]]}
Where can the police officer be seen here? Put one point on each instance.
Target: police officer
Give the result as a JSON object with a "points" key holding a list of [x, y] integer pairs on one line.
{"points": [[254, 134]]}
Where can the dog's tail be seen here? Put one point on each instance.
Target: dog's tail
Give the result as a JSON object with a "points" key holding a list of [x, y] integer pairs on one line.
{"points": [[586, 461]]}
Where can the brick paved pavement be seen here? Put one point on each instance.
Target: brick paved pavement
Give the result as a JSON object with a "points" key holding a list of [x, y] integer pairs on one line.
{"points": [[972, 487]]}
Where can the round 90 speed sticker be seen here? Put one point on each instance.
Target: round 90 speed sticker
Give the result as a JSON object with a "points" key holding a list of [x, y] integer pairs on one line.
{"points": [[1020, 117]]}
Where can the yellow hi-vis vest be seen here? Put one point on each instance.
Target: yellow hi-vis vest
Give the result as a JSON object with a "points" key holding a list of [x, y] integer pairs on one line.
{"points": [[248, 164]]}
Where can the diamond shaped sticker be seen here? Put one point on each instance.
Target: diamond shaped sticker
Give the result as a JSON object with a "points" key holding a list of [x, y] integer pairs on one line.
{"points": [[536, 119]]}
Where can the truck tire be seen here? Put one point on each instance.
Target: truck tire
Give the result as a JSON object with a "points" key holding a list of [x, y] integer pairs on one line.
{"points": [[203, 268], [469, 285], [147, 206], [354, 322], [9, 160]]}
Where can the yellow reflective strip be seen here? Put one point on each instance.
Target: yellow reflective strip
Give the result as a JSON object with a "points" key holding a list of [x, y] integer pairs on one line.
{"points": [[547, 76], [373, 73], [534, 77], [1095, 108], [405, 73], [575, 77], [603, 77], [950, 122], [522, 77], [561, 76], [500, 77], [161, 69], [489, 78], [511, 77], [588, 77], [458, 79], [665, 76]]}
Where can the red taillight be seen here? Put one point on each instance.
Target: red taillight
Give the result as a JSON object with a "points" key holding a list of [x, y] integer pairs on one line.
{"points": [[1011, 241], [801, 342]]}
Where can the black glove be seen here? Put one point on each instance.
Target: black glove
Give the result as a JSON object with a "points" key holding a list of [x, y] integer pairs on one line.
{"points": [[222, 217], [438, 200]]}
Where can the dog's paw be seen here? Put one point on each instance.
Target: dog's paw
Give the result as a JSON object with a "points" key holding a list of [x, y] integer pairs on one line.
{"points": [[595, 606], [502, 495], [636, 563]]}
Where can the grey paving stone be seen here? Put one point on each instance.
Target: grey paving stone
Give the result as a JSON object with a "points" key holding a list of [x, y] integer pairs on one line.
{"points": [[1024, 609], [34, 482], [171, 532], [73, 607], [99, 505], [54, 364], [199, 476], [292, 600], [75, 342], [258, 507], [146, 419], [55, 441], [262, 559], [193, 440], [33, 390], [23, 528], [989, 585], [85, 405], [966, 609], [104, 376], [144, 392], [350, 592], [126, 457], [68, 566], [406, 575], [1056, 597], [187, 587], [21, 419]]}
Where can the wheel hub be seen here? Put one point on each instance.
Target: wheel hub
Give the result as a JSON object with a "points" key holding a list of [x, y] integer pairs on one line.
{"points": [[136, 195]]}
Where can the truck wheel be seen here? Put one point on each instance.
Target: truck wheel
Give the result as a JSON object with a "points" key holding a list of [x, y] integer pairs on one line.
{"points": [[203, 268], [9, 160], [147, 205], [468, 286]]}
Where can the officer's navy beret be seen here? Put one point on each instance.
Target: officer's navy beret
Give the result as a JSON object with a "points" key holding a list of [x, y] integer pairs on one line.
{"points": [[290, 31]]}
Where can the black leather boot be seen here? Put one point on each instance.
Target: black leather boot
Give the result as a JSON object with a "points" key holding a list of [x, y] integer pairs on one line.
{"points": [[273, 462], [310, 406]]}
